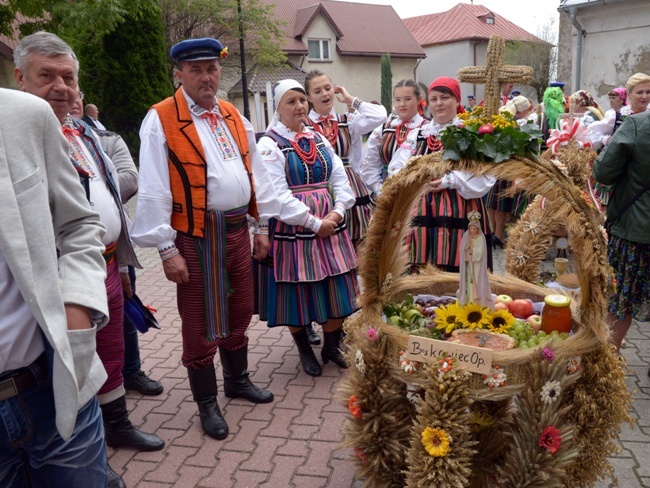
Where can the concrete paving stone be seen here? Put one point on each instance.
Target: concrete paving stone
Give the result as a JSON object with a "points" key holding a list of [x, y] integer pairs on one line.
{"points": [[168, 470], [208, 452], [282, 420], [294, 447], [234, 412], [262, 411], [276, 354], [182, 418], [135, 471], [294, 397], [311, 414], [283, 472], [309, 481], [331, 427], [641, 454], [250, 479], [190, 476], [325, 387], [317, 463], [633, 433], [303, 431], [226, 465], [342, 473], [153, 484], [190, 438], [265, 448], [244, 439], [336, 405]]}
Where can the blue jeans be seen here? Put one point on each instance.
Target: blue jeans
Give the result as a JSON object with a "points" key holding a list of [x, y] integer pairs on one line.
{"points": [[132, 363], [32, 453]]}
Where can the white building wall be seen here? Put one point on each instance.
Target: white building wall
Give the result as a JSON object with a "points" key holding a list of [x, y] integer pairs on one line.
{"points": [[616, 45]]}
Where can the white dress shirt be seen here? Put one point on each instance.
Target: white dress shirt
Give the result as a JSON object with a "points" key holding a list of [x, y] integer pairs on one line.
{"points": [[290, 210], [468, 185], [228, 185]]}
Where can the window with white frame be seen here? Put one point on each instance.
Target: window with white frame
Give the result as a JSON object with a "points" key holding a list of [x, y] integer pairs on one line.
{"points": [[319, 49]]}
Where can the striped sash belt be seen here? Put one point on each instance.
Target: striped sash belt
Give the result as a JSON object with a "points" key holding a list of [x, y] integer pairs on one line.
{"points": [[212, 253], [324, 185], [109, 253]]}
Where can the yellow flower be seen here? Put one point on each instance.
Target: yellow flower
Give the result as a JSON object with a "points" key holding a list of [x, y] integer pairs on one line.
{"points": [[501, 321], [447, 317], [435, 442], [480, 421], [473, 316]]}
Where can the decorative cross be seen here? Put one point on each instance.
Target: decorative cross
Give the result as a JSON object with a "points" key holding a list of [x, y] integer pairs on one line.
{"points": [[493, 74]]}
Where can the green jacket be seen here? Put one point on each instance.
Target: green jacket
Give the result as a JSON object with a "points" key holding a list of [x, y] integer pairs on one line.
{"points": [[625, 162]]}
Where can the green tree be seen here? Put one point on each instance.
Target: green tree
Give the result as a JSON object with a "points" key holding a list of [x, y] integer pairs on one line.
{"points": [[124, 73], [386, 83]]}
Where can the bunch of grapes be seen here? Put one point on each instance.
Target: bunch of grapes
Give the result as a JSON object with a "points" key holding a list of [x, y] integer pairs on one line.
{"points": [[526, 337]]}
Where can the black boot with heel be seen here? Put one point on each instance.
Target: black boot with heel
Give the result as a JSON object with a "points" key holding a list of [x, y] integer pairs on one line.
{"points": [[307, 357], [203, 383], [331, 350]]}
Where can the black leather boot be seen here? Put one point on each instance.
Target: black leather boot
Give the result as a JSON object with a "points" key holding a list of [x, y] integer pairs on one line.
{"points": [[120, 432], [312, 335], [203, 383], [331, 351], [307, 357], [114, 479], [236, 382]]}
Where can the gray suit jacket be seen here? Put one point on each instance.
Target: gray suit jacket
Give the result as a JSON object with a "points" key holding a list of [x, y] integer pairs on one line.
{"points": [[44, 209]]}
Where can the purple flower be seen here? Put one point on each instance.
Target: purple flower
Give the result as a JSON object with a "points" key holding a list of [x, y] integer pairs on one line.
{"points": [[548, 354], [371, 334]]}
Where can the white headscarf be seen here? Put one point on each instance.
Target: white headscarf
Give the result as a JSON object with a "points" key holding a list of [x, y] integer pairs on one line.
{"points": [[282, 87]]}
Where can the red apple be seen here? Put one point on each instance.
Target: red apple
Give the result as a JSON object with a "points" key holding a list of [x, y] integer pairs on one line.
{"points": [[535, 322], [521, 308], [503, 299], [500, 306]]}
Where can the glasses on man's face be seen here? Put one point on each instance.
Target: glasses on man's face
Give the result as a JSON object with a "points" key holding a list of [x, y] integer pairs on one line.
{"points": [[81, 95]]}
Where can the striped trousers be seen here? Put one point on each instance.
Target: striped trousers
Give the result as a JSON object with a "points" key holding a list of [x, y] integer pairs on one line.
{"points": [[197, 351]]}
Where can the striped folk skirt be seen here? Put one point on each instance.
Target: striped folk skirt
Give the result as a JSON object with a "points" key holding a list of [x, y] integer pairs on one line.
{"points": [[358, 217], [438, 229], [500, 197], [310, 279], [110, 338]]}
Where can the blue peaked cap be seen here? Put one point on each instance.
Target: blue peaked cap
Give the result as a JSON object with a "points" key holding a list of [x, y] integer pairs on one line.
{"points": [[556, 84], [196, 50]]}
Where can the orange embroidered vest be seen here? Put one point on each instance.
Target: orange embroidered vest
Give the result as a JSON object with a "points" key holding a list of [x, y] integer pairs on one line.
{"points": [[187, 163]]}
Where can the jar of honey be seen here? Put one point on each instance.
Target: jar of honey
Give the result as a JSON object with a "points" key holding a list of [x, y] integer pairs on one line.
{"points": [[556, 314]]}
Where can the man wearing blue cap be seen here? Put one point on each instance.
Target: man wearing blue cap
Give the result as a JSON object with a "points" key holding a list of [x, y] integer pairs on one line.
{"points": [[471, 103], [196, 191]]}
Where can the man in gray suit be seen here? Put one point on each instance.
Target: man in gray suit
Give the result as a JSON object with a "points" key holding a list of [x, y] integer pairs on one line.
{"points": [[50, 307]]}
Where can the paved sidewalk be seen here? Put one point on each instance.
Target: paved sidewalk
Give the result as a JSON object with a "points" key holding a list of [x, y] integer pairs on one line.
{"points": [[294, 441]]}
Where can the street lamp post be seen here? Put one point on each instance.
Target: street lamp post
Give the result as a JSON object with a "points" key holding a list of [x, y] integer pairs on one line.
{"points": [[242, 54]]}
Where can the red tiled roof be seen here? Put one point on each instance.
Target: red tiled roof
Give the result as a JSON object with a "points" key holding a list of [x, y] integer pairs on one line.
{"points": [[464, 21], [362, 29]]}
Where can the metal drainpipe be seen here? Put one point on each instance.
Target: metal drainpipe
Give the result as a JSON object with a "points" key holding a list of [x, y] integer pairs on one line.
{"points": [[578, 61]]}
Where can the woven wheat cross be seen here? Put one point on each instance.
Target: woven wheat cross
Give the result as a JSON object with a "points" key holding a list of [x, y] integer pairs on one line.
{"points": [[493, 74]]}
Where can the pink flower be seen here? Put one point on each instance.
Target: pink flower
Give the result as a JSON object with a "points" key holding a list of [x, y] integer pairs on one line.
{"points": [[550, 439], [371, 334], [486, 129], [548, 354]]}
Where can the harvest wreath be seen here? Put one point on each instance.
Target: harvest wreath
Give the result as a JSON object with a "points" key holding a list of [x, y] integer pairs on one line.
{"points": [[557, 406]]}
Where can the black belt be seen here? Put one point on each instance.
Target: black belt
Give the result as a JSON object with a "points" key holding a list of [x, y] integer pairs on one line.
{"points": [[21, 380]]}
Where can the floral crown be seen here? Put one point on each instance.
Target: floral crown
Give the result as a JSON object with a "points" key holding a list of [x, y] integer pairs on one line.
{"points": [[474, 216]]}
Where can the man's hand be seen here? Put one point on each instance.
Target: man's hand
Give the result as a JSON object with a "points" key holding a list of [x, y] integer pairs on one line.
{"points": [[260, 246], [176, 269], [126, 284], [78, 317]]}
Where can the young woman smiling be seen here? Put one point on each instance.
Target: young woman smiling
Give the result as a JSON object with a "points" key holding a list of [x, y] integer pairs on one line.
{"points": [[313, 276], [386, 140], [442, 214]]}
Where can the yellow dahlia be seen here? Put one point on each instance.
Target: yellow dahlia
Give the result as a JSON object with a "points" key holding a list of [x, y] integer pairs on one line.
{"points": [[435, 442], [501, 321], [447, 317], [473, 316]]}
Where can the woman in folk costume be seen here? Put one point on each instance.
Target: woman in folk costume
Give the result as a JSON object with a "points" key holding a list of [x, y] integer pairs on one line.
{"points": [[583, 104], [441, 214], [474, 282], [313, 277], [344, 132], [387, 139]]}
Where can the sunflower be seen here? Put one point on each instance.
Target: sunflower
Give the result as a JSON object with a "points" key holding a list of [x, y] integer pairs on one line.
{"points": [[473, 316], [447, 317], [435, 442], [501, 321], [480, 421]]}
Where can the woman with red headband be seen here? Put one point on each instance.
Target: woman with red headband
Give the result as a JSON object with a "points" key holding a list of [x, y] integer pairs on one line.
{"points": [[442, 214], [388, 138]]}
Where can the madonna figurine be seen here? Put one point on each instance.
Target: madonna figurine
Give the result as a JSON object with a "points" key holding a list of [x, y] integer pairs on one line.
{"points": [[474, 283]]}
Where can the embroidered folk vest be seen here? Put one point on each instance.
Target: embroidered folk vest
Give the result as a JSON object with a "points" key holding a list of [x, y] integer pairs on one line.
{"points": [[187, 163]]}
